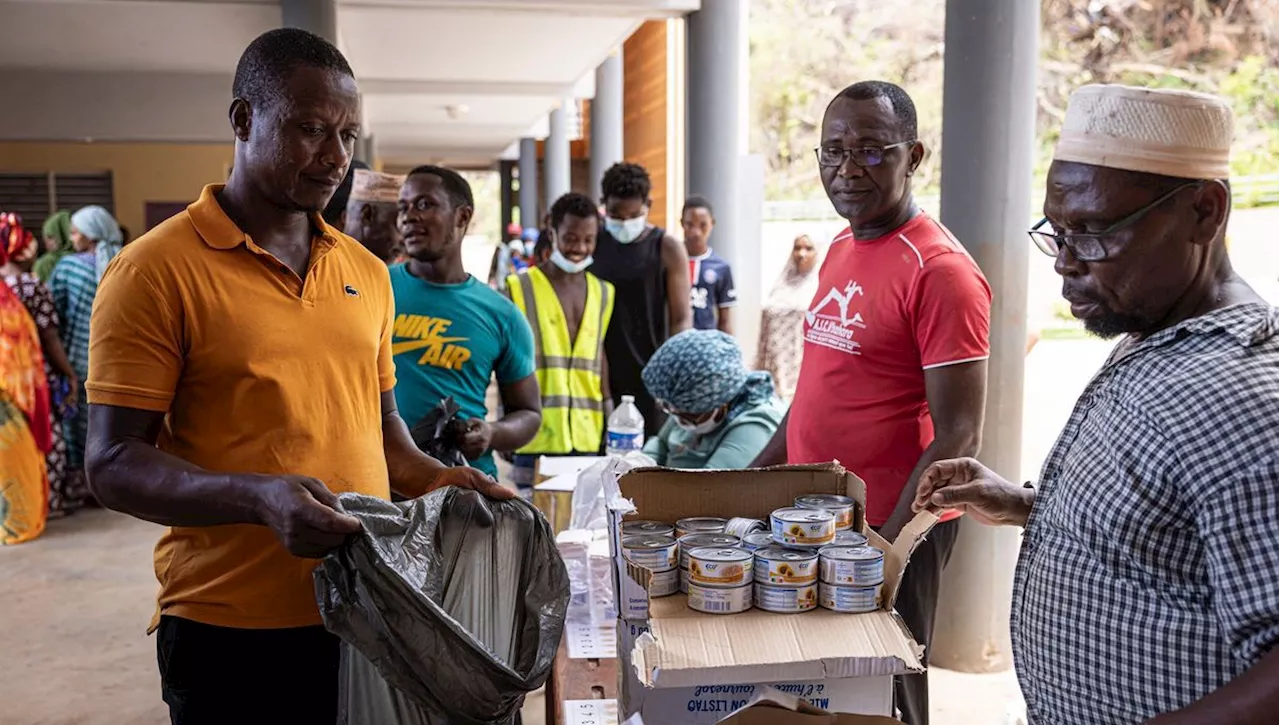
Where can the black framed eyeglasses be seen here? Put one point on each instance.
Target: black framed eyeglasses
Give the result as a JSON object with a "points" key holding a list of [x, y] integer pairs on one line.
{"points": [[864, 156], [1091, 246]]}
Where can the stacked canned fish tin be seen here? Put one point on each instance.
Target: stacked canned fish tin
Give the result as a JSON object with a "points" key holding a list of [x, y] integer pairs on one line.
{"points": [[808, 556], [850, 571], [652, 545]]}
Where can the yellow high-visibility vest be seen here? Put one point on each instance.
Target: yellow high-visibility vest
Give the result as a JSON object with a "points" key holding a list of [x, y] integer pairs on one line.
{"points": [[568, 374]]}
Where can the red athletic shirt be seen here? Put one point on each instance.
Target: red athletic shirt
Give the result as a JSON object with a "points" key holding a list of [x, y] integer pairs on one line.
{"points": [[886, 310]]}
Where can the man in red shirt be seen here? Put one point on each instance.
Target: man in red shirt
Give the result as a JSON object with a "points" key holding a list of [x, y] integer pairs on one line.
{"points": [[895, 356]]}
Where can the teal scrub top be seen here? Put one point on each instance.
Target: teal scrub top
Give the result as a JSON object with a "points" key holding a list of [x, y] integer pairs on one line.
{"points": [[733, 445]]}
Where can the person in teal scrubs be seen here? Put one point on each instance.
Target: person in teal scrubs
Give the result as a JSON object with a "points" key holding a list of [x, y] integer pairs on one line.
{"points": [[720, 415], [451, 332]]}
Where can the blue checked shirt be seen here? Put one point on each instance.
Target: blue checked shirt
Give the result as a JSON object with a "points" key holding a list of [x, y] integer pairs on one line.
{"points": [[1148, 572]]}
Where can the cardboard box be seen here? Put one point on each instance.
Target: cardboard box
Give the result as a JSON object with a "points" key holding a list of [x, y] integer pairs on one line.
{"points": [[679, 665], [776, 708]]}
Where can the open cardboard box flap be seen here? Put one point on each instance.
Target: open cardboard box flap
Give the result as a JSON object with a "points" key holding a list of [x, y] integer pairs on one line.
{"points": [[686, 648], [772, 707]]}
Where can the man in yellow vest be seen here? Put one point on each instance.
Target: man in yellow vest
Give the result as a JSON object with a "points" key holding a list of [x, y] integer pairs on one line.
{"points": [[568, 309]]}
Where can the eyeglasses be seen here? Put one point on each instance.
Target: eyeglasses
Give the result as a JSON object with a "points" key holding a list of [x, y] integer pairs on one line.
{"points": [[692, 418], [1091, 246], [864, 156]]}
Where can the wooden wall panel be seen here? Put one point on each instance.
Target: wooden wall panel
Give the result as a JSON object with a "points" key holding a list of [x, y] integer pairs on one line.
{"points": [[644, 100]]}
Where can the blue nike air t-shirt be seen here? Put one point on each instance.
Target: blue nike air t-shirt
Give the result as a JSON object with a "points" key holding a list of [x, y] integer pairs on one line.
{"points": [[448, 340]]}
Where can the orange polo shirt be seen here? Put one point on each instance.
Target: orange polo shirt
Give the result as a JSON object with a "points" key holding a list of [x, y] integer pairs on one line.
{"points": [[259, 372]]}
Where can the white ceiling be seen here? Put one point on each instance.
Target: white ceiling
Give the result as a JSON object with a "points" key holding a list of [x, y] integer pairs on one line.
{"points": [[444, 80]]}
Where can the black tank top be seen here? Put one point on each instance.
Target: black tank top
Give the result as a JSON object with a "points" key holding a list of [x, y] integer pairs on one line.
{"points": [[640, 319]]}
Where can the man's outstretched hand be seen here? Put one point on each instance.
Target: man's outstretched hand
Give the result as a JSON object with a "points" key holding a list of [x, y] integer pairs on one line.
{"points": [[303, 514], [967, 485], [466, 477]]}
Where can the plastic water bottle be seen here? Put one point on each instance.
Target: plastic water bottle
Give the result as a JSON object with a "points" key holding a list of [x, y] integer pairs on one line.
{"points": [[626, 428]]}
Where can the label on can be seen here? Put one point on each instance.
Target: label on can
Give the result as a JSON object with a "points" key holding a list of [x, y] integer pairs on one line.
{"points": [[848, 599], [689, 542], [778, 565], [758, 540], [861, 566], [803, 527], [664, 583], [840, 506], [720, 567], [720, 600], [699, 525], [849, 538], [647, 528], [741, 527], [786, 600], [651, 552]]}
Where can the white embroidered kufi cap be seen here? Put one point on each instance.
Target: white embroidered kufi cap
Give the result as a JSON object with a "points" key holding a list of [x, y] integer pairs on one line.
{"points": [[1157, 131]]}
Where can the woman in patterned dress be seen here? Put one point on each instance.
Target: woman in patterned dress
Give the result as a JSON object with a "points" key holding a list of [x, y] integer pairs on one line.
{"points": [[782, 320], [25, 434], [17, 273], [96, 238]]}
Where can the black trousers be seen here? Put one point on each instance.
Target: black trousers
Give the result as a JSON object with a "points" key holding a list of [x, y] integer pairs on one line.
{"points": [[917, 602], [218, 675]]}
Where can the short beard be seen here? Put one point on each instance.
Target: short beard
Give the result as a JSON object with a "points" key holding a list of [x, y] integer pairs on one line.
{"points": [[1114, 324]]}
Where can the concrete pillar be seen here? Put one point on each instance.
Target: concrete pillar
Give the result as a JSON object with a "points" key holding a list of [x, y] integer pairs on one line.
{"points": [[716, 98], [556, 159], [528, 175], [606, 121], [315, 16], [987, 156]]}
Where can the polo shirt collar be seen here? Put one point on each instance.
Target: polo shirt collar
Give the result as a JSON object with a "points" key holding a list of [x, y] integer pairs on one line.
{"points": [[219, 232]]}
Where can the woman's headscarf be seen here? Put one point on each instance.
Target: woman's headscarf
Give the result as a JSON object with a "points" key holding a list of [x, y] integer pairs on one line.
{"points": [[97, 224], [698, 371], [16, 243], [794, 290], [56, 227]]}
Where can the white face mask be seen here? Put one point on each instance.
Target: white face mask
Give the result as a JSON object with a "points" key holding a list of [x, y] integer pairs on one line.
{"points": [[568, 265], [702, 428], [626, 231]]}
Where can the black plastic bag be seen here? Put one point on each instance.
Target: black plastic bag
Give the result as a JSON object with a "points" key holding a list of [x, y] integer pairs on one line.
{"points": [[439, 433], [457, 601]]}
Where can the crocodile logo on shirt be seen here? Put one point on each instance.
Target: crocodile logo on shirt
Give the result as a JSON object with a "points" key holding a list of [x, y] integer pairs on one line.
{"points": [[412, 333]]}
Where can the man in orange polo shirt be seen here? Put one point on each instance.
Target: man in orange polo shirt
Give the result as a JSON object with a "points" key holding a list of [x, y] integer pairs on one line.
{"points": [[240, 374]]}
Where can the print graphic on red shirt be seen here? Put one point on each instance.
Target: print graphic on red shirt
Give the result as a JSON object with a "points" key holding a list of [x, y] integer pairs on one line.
{"points": [[886, 310]]}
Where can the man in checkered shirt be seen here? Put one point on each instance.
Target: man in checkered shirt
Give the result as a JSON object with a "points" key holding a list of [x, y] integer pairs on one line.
{"points": [[1146, 589]]}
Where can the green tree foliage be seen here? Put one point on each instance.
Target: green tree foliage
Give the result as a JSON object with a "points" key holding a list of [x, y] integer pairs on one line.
{"points": [[805, 51]]}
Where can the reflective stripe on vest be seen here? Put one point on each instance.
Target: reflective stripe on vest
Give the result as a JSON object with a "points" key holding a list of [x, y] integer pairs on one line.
{"points": [[568, 374]]}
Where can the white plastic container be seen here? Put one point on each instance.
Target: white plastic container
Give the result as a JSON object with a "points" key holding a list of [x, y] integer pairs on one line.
{"points": [[626, 428]]}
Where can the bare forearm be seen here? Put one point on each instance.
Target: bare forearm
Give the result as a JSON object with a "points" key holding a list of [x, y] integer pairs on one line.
{"points": [[724, 320], [56, 353], [411, 471], [1250, 698], [775, 451], [515, 430], [136, 478]]}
